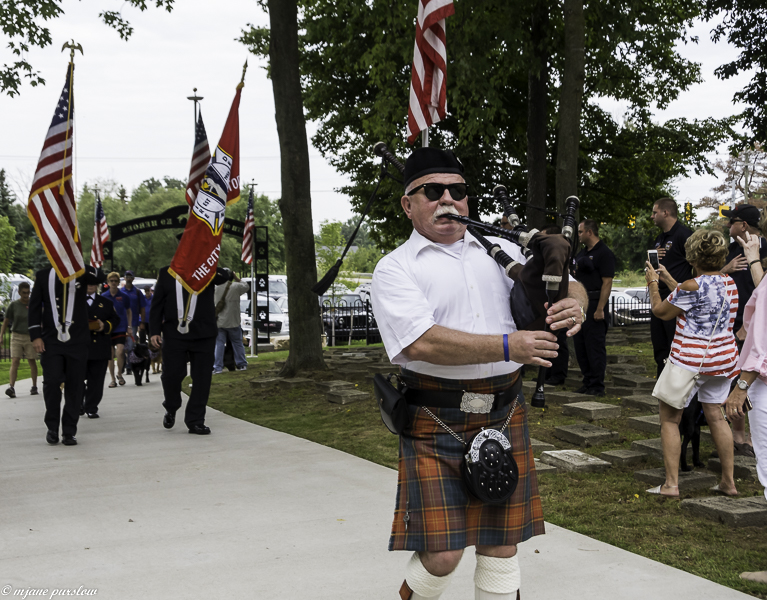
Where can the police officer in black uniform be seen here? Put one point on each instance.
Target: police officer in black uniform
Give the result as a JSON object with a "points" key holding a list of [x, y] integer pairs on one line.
{"points": [[102, 319], [595, 269], [672, 257], [197, 346], [58, 328]]}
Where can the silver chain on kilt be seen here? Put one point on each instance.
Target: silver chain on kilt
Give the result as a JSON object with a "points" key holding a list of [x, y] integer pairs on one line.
{"points": [[455, 435]]}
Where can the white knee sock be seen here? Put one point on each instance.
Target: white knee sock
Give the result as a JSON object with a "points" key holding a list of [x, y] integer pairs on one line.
{"points": [[496, 578], [424, 584]]}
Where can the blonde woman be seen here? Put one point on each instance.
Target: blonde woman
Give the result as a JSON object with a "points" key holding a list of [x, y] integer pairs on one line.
{"points": [[702, 306]]}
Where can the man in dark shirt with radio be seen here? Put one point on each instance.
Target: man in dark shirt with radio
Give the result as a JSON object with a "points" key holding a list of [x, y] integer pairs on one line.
{"points": [[672, 257], [595, 269]]}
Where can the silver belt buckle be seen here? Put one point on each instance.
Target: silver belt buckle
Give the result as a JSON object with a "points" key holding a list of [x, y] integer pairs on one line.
{"points": [[477, 403]]}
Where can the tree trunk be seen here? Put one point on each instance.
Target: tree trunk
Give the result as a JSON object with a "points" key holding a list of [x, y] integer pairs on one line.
{"points": [[537, 119], [570, 100], [296, 202]]}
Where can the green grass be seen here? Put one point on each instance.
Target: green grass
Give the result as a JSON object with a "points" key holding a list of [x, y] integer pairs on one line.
{"points": [[629, 279], [22, 373], [611, 507]]}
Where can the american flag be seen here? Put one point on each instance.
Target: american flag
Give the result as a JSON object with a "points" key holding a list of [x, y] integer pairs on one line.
{"points": [[200, 160], [247, 233], [51, 206], [428, 85], [100, 235]]}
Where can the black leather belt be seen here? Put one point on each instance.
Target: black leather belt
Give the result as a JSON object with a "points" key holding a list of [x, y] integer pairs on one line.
{"points": [[466, 401]]}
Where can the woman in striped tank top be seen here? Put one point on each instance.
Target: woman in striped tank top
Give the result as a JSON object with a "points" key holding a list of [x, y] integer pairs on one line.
{"points": [[704, 308]]}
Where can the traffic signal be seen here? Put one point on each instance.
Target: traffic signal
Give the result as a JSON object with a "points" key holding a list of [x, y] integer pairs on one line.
{"points": [[688, 212], [632, 222], [721, 208]]}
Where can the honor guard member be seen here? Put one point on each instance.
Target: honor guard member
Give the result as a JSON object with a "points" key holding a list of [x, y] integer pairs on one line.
{"points": [[195, 343], [595, 269], [102, 321], [442, 306], [58, 328], [672, 257]]}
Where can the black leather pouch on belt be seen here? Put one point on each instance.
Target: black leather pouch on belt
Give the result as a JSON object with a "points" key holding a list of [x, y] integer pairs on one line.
{"points": [[391, 401]]}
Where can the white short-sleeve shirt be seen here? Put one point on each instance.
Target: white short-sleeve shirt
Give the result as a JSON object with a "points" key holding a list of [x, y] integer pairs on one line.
{"points": [[458, 286]]}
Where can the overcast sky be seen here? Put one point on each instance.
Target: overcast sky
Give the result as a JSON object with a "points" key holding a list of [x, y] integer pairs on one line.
{"points": [[133, 119]]}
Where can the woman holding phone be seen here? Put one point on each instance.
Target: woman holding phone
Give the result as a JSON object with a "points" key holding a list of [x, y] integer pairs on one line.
{"points": [[704, 308]]}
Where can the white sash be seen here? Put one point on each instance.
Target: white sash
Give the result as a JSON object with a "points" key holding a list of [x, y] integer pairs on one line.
{"points": [[184, 318], [69, 300]]}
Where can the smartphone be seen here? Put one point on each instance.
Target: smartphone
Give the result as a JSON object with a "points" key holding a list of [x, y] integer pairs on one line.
{"points": [[746, 407], [652, 256]]}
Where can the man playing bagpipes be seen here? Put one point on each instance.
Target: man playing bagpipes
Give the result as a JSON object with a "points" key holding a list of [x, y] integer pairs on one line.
{"points": [[442, 306]]}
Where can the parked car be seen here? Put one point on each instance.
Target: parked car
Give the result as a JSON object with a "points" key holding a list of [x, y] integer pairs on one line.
{"points": [[344, 314], [629, 307], [283, 304], [275, 322], [364, 291], [278, 286], [9, 286]]}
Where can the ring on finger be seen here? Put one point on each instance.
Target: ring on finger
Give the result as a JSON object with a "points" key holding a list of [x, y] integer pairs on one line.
{"points": [[573, 320]]}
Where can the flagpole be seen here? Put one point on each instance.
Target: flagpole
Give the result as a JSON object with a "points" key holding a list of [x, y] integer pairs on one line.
{"points": [[253, 297], [195, 98], [425, 138]]}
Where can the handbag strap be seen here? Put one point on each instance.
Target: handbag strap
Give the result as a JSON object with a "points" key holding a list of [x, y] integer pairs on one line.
{"points": [[713, 329]]}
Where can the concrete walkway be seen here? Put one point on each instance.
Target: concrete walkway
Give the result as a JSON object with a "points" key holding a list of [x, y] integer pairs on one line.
{"points": [[135, 511]]}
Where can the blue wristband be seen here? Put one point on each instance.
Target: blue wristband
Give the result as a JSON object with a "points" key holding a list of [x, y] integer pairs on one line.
{"points": [[506, 347]]}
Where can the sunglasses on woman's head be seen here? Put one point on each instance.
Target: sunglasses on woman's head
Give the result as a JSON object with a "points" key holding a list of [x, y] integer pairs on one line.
{"points": [[434, 191]]}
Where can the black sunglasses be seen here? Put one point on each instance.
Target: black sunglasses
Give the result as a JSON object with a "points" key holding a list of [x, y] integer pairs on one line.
{"points": [[434, 191]]}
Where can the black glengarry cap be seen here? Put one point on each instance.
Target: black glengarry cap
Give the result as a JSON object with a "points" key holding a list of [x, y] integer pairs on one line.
{"points": [[425, 161]]}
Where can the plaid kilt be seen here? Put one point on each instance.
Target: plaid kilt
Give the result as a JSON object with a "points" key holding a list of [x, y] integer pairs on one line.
{"points": [[442, 515]]}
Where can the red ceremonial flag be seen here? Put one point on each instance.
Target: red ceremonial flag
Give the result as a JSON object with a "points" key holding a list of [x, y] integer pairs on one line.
{"points": [[100, 235], [428, 85], [200, 160], [51, 207], [248, 231], [194, 264]]}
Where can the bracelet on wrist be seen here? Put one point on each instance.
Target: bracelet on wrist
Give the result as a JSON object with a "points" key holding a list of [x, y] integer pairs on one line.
{"points": [[506, 347], [753, 262], [652, 281]]}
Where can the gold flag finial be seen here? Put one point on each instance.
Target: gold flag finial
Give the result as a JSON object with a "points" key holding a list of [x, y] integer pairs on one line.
{"points": [[72, 47], [242, 81]]}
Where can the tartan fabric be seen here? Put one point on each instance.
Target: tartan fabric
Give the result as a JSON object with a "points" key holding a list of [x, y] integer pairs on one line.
{"points": [[491, 385], [430, 490]]}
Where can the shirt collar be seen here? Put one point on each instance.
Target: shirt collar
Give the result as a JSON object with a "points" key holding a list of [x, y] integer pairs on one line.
{"points": [[417, 242]]}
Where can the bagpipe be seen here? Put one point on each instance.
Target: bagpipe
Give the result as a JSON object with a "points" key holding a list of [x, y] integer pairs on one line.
{"points": [[542, 279]]}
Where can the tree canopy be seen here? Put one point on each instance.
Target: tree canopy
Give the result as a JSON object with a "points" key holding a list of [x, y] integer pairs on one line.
{"points": [[20, 23]]}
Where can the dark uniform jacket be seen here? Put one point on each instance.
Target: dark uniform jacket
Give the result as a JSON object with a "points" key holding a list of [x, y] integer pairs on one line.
{"points": [[675, 261], [164, 316], [100, 347], [41, 324]]}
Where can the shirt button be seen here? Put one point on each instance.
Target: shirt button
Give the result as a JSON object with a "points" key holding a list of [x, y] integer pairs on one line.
{"points": [[478, 315]]}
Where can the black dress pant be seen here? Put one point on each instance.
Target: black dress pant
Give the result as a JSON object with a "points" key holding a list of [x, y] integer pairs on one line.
{"points": [[95, 374], [175, 354], [590, 349], [68, 368], [661, 334], [559, 365]]}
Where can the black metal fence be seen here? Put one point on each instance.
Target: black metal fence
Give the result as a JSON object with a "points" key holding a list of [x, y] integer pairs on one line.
{"points": [[629, 308], [344, 322]]}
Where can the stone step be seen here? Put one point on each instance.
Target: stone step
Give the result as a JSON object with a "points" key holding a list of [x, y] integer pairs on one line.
{"points": [[290, 383], [279, 363], [381, 369], [352, 371], [688, 480], [585, 435], [574, 382], [556, 397], [261, 384], [625, 368], [620, 358], [744, 468], [574, 460], [732, 512], [539, 446], [620, 392], [542, 468], [528, 387], [622, 457], [649, 424], [653, 447], [641, 402], [634, 381], [346, 396], [591, 411], [332, 384]]}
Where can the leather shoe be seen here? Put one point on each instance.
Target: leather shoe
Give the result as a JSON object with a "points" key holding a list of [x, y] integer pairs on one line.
{"points": [[93, 415], [82, 411], [69, 440], [581, 390], [555, 382], [52, 437], [169, 420], [594, 392], [199, 429]]}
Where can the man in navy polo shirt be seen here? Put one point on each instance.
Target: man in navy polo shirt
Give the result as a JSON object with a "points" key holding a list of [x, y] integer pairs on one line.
{"points": [[137, 302], [671, 255]]}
